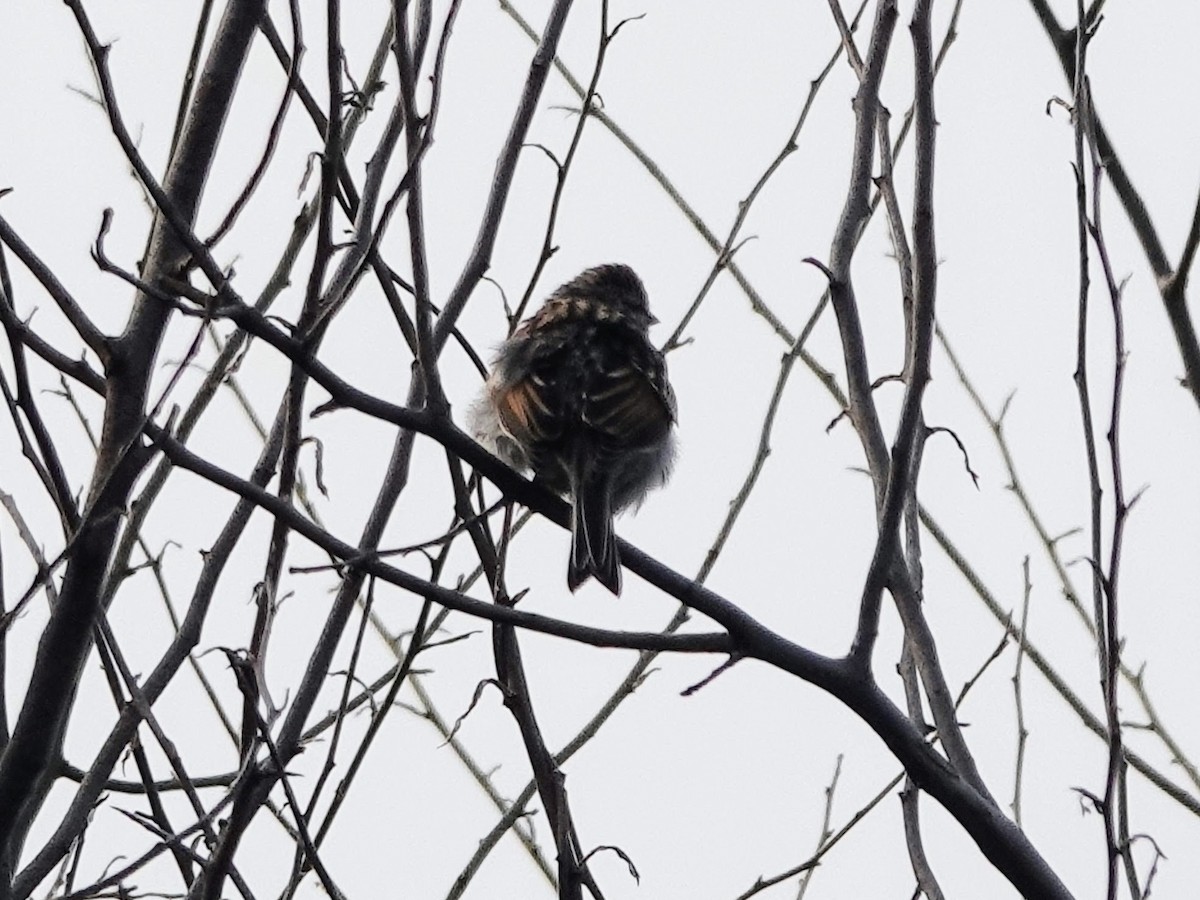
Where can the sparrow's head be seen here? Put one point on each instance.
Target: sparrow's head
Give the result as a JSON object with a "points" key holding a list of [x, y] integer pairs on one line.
{"points": [[613, 285]]}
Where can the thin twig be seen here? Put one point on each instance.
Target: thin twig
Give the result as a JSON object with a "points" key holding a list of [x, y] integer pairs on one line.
{"points": [[1018, 696]]}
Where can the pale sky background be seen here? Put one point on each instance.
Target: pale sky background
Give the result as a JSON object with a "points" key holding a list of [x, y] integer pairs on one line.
{"points": [[708, 792]]}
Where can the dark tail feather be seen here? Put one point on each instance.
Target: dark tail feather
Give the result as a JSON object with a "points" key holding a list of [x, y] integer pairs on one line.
{"points": [[593, 543]]}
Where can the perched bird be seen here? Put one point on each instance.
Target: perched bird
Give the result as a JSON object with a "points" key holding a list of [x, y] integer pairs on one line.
{"points": [[579, 395]]}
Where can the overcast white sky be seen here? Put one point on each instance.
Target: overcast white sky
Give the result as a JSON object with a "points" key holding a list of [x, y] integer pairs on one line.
{"points": [[704, 793]]}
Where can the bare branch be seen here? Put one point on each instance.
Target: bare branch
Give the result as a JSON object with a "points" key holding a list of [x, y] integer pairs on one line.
{"points": [[69, 306]]}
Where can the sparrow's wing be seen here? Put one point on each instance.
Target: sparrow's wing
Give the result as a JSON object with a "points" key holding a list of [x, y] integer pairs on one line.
{"points": [[628, 399], [528, 410]]}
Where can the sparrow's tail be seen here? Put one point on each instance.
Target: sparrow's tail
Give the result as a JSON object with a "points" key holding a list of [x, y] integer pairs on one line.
{"points": [[593, 542]]}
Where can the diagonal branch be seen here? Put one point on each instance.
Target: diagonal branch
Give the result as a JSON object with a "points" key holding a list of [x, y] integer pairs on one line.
{"points": [[489, 227], [86, 329]]}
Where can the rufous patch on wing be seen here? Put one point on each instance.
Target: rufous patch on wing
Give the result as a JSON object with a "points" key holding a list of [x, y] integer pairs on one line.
{"points": [[519, 408]]}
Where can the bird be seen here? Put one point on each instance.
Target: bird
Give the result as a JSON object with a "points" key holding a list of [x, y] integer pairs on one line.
{"points": [[580, 396]]}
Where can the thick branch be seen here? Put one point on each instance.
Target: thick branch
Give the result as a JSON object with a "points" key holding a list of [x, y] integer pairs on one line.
{"points": [[26, 767]]}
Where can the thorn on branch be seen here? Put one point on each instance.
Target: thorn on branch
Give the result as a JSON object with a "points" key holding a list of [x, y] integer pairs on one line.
{"points": [[309, 166], [319, 452], [675, 345], [734, 659], [330, 405], [1070, 532], [444, 642], [1059, 101], [100, 257], [508, 313], [641, 679], [1004, 409], [613, 848], [1096, 801], [474, 702], [608, 40], [550, 153], [813, 261], [833, 422], [727, 257], [886, 379], [942, 429]]}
